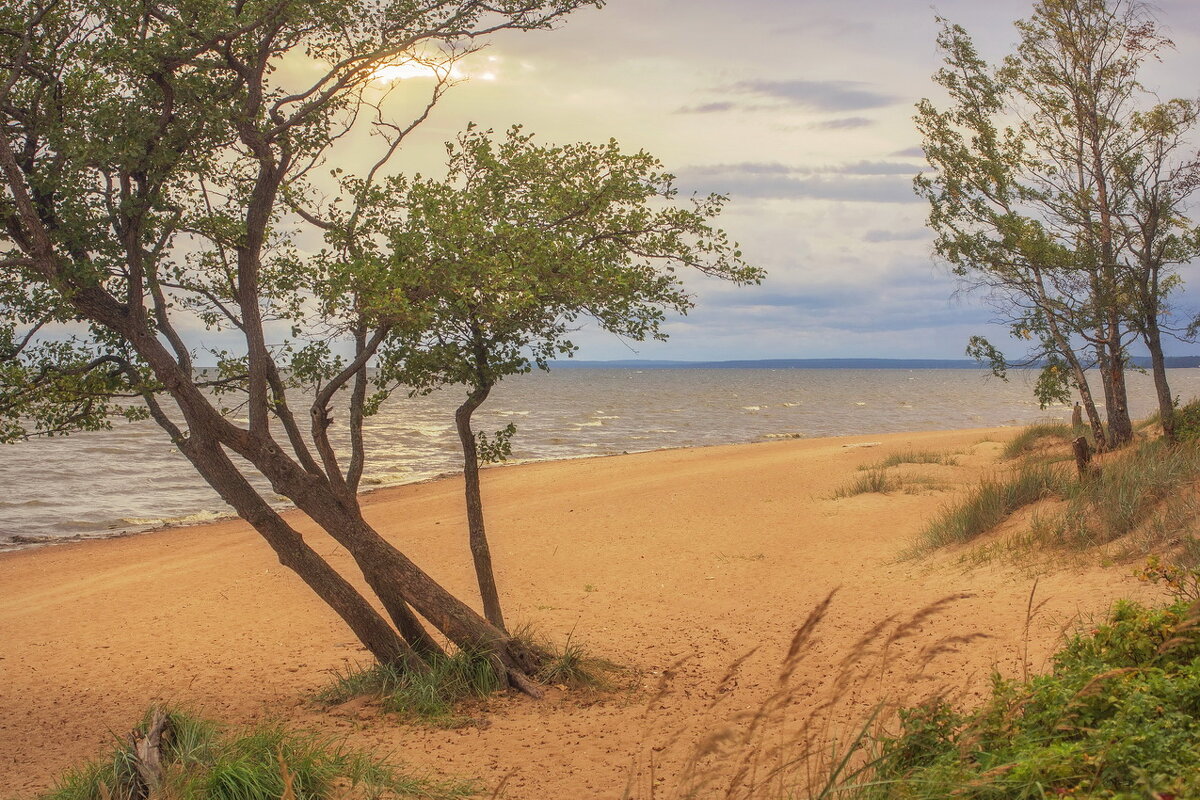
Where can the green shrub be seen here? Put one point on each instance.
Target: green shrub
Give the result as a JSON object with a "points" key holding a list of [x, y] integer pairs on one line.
{"points": [[1187, 422], [1117, 717]]}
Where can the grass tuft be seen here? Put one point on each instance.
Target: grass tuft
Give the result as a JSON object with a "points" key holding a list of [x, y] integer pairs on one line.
{"points": [[433, 696], [991, 503], [204, 761], [1031, 437], [570, 665], [352, 681], [913, 457], [873, 481], [430, 697]]}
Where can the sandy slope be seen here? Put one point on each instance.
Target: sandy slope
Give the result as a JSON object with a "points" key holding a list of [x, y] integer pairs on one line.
{"points": [[674, 562]]}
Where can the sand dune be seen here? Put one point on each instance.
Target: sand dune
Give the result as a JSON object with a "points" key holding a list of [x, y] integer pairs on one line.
{"points": [[674, 562]]}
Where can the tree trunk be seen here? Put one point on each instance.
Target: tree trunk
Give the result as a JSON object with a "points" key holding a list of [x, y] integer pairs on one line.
{"points": [[1079, 376], [148, 751], [477, 534], [295, 554], [1166, 403], [1083, 457], [393, 577], [1120, 426]]}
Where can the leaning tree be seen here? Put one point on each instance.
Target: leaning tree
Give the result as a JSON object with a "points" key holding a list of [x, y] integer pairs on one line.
{"points": [[1059, 186], [155, 159], [518, 244]]}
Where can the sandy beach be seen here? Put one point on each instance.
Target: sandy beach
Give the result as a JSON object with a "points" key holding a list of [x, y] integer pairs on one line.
{"points": [[671, 563]]}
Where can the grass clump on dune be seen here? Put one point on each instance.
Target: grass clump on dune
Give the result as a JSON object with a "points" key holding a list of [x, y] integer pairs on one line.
{"points": [[431, 696], [201, 760], [1029, 438], [913, 457], [992, 502], [1144, 492], [873, 480]]}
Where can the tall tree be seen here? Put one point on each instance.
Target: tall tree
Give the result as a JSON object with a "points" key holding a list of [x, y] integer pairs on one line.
{"points": [[1160, 175], [1032, 195], [517, 244], [152, 160]]}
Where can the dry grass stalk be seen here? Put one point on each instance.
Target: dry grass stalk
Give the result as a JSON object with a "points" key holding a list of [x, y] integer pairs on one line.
{"points": [[764, 752]]}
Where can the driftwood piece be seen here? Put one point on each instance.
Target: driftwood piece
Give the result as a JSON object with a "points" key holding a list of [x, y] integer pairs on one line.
{"points": [[1083, 456], [148, 755]]}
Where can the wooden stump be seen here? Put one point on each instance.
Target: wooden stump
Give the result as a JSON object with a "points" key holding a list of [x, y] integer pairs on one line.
{"points": [[1077, 416], [148, 756]]}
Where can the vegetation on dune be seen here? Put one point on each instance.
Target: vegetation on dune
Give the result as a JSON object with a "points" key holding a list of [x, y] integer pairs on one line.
{"points": [[1034, 436], [1117, 717], [912, 457], [992, 502], [201, 760], [1141, 499], [438, 696], [873, 480], [877, 480]]}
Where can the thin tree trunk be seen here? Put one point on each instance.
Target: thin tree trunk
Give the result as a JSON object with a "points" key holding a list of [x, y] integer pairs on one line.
{"points": [[394, 577], [1079, 376], [1120, 426], [477, 534], [1166, 403]]}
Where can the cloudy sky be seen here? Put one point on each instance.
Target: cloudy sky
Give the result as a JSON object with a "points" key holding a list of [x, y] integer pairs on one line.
{"points": [[801, 111]]}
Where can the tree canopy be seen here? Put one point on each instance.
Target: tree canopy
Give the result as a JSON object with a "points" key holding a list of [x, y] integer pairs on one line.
{"points": [[508, 253], [155, 161]]}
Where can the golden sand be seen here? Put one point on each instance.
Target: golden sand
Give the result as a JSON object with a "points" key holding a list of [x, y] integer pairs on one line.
{"points": [[675, 562]]}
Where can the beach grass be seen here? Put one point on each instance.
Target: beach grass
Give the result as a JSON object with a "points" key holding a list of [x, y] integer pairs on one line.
{"points": [[1031, 437], [431, 697], [990, 503], [569, 665], [782, 748], [1145, 497], [872, 481], [202, 760], [435, 697], [912, 457]]}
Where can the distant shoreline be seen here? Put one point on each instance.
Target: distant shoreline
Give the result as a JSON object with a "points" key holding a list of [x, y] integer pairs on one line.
{"points": [[1173, 362]]}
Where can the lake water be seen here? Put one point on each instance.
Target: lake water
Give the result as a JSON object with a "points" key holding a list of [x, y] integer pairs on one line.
{"points": [[130, 478]]}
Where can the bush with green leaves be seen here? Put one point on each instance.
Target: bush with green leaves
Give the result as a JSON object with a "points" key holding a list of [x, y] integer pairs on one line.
{"points": [[1187, 422], [1117, 717]]}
